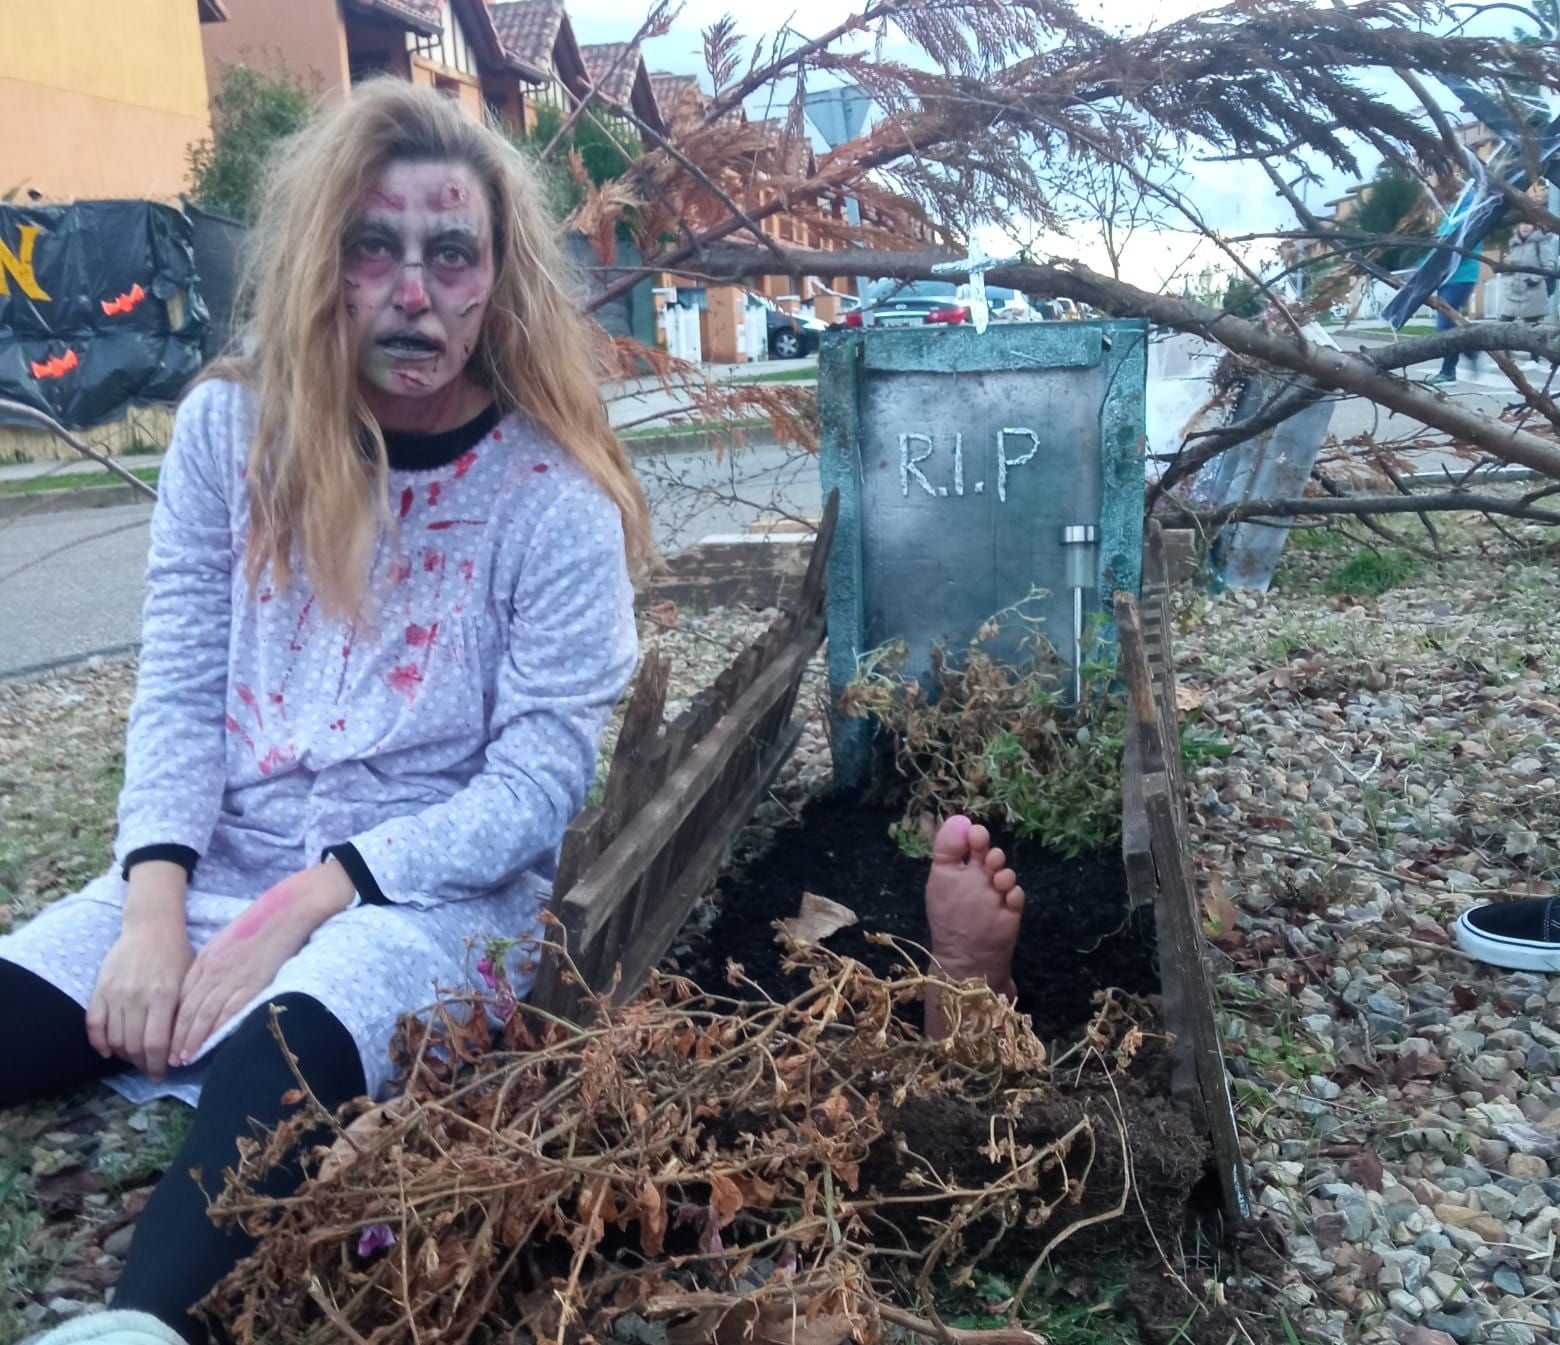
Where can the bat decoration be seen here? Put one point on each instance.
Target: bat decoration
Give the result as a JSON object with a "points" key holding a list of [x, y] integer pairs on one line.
{"points": [[124, 302], [56, 366]]}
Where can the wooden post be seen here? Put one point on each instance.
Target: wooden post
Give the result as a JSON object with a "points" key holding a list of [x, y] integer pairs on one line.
{"points": [[1151, 765]]}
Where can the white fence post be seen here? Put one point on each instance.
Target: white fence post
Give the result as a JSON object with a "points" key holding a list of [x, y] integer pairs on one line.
{"points": [[755, 332], [681, 329]]}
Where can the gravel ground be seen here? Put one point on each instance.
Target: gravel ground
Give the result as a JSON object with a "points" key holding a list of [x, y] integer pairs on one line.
{"points": [[1390, 761], [1392, 764]]}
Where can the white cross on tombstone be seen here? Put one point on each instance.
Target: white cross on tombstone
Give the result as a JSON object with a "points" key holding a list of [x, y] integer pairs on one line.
{"points": [[975, 266]]}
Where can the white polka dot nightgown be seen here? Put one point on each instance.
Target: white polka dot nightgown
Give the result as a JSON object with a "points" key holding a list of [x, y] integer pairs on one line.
{"points": [[449, 738]]}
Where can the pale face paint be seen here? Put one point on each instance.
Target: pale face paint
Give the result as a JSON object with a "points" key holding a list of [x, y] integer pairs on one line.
{"points": [[416, 277]]}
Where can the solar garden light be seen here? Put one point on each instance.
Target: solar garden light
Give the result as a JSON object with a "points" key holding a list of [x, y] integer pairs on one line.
{"points": [[1079, 543]]}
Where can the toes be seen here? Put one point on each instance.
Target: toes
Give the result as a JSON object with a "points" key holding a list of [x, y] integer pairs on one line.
{"points": [[1013, 899], [951, 845], [979, 839], [1004, 880], [995, 860]]}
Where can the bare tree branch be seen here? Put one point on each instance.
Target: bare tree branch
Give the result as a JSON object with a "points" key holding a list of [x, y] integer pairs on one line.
{"points": [[1328, 368]]}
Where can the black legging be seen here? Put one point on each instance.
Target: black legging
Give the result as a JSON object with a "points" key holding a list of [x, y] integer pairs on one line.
{"points": [[178, 1254]]}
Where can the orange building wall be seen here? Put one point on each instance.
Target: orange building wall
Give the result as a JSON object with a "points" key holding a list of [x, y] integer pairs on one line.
{"points": [[304, 37], [100, 99]]}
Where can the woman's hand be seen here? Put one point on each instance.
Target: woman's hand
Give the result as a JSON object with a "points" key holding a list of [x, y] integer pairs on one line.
{"points": [[136, 997], [244, 958]]}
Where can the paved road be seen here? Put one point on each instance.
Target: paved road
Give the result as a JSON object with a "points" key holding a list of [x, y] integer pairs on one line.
{"points": [[70, 583]]}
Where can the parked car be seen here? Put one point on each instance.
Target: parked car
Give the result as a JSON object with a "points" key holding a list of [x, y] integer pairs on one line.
{"points": [[792, 335], [908, 310]]}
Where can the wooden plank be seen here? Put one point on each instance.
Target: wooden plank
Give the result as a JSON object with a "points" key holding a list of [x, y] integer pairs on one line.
{"points": [[1187, 985], [637, 738], [581, 845], [810, 601], [661, 926], [625, 859]]}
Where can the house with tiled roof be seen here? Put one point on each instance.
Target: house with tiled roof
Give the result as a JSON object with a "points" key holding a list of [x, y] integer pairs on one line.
{"points": [[450, 45], [538, 32], [673, 91], [617, 72]]}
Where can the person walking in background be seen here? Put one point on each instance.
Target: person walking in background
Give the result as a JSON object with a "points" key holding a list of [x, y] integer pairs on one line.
{"points": [[1524, 290], [1457, 288]]}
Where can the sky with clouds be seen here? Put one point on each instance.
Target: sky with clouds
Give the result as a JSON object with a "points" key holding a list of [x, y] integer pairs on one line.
{"points": [[1235, 199]]}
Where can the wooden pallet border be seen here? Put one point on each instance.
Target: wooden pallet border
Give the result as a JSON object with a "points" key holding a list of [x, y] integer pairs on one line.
{"points": [[1157, 853], [631, 868]]}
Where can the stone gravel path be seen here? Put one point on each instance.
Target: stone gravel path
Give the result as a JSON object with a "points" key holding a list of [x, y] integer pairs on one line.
{"points": [[1392, 762]]}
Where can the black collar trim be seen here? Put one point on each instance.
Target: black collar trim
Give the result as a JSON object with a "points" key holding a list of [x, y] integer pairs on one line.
{"points": [[425, 452]]}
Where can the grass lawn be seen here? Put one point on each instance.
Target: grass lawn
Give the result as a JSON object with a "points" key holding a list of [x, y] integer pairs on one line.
{"points": [[804, 374], [34, 485], [653, 432]]}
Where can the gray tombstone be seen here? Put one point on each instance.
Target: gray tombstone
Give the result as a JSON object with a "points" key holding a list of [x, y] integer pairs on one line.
{"points": [[961, 460]]}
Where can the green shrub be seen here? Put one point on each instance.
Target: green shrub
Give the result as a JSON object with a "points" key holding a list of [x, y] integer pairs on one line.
{"points": [[999, 743], [250, 114], [1374, 572]]}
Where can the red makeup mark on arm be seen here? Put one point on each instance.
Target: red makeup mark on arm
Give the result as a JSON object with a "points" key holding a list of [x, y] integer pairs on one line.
{"points": [[406, 501], [267, 905], [465, 462]]}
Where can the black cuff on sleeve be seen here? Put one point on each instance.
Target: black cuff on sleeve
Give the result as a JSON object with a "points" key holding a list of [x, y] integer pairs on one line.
{"points": [[363, 879], [181, 855]]}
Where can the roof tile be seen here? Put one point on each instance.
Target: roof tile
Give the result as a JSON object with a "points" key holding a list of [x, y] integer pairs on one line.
{"points": [[611, 67], [528, 29]]}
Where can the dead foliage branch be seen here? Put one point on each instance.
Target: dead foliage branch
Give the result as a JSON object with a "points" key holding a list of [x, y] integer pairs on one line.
{"points": [[793, 1173]]}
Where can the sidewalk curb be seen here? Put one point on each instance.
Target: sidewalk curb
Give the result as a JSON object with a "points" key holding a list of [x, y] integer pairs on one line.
{"points": [[64, 501]]}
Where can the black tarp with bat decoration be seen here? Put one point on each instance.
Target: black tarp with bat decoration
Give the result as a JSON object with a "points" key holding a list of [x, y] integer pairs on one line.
{"points": [[98, 307]]}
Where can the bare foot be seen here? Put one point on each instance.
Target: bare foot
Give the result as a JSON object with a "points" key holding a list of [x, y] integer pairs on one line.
{"points": [[974, 906]]}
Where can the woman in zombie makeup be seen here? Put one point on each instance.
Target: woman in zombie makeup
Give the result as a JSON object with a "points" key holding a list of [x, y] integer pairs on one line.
{"points": [[388, 613]]}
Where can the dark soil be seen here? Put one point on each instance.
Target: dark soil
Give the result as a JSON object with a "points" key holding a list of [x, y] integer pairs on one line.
{"points": [[1077, 935]]}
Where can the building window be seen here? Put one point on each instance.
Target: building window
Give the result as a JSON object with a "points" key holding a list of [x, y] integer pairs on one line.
{"points": [[448, 47]]}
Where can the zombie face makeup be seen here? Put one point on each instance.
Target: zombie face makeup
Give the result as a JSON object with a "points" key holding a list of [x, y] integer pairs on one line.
{"points": [[417, 273]]}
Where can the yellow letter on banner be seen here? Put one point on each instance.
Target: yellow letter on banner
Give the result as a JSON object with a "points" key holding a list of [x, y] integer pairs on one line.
{"points": [[21, 267]]}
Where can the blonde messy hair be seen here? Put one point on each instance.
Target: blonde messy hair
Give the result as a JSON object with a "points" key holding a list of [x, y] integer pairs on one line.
{"points": [[317, 499]]}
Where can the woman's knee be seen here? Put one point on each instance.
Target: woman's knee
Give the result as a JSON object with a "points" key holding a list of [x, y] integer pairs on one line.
{"points": [[254, 1056]]}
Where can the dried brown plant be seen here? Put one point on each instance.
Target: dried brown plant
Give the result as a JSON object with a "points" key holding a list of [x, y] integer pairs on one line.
{"points": [[739, 1170]]}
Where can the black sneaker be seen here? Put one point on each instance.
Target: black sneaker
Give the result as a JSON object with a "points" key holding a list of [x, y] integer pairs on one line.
{"points": [[1523, 935]]}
